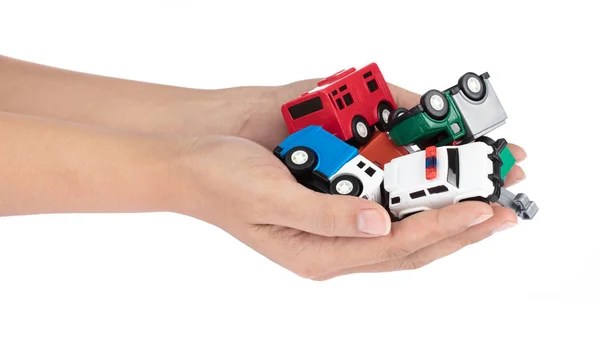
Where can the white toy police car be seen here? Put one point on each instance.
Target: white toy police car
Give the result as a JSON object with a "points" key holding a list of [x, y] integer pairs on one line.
{"points": [[358, 177], [441, 176]]}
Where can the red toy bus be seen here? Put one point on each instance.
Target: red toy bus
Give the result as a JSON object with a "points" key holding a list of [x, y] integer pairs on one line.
{"points": [[348, 104]]}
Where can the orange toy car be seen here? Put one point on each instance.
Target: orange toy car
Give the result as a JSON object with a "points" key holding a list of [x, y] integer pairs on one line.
{"points": [[381, 150]]}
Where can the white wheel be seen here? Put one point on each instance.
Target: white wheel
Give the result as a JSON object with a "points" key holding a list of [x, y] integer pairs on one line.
{"points": [[385, 114], [299, 157], [437, 102], [344, 187], [362, 129], [474, 84]]}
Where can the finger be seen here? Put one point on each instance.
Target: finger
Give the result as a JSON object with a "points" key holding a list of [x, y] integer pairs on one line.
{"points": [[296, 206], [502, 218], [515, 175], [518, 152], [404, 98], [410, 235]]}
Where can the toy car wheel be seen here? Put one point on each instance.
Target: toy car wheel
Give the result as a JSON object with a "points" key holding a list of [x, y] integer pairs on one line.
{"points": [[346, 185], [480, 199], [361, 130], [472, 86], [435, 104], [384, 115], [395, 115], [300, 160]]}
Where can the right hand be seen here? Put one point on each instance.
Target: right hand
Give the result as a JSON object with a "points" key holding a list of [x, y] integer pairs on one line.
{"points": [[243, 188]]}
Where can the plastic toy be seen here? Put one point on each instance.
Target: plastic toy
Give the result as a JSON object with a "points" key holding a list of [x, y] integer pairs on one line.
{"points": [[359, 177], [458, 115], [313, 155], [322, 162], [381, 150], [441, 176], [348, 138], [348, 104], [520, 203]]}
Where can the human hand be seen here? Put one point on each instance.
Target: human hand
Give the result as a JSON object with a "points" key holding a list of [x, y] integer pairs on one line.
{"points": [[243, 188]]}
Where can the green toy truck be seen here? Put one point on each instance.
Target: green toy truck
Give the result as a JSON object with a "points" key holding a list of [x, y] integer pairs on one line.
{"points": [[457, 115]]}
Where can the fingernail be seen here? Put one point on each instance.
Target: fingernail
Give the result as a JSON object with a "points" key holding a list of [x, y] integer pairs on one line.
{"points": [[504, 227], [372, 222], [481, 219]]}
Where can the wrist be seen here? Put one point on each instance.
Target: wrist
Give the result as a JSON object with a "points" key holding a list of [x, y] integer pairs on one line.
{"points": [[155, 180], [194, 177]]}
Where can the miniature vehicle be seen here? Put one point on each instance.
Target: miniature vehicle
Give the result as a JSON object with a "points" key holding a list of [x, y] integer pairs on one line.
{"points": [[347, 104], [441, 176], [458, 115], [322, 162], [381, 150], [519, 203], [360, 178]]}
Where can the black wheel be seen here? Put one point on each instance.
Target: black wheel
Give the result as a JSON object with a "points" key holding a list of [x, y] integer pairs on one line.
{"points": [[395, 114], [300, 160], [361, 130], [346, 185], [472, 86], [480, 199], [384, 115], [435, 104]]}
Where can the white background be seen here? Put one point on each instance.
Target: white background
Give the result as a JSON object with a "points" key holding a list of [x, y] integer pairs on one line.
{"points": [[169, 277]]}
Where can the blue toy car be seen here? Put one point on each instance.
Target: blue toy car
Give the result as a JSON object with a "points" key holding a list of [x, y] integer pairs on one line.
{"points": [[313, 156]]}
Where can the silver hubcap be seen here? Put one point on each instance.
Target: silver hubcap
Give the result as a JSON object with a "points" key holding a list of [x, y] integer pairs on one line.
{"points": [[474, 84], [385, 114], [362, 129], [344, 187], [437, 102], [299, 157]]}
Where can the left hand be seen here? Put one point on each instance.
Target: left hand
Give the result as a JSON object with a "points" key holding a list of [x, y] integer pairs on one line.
{"points": [[268, 129], [243, 188]]}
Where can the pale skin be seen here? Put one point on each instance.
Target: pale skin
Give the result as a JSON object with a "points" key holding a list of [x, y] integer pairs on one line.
{"points": [[73, 142]]}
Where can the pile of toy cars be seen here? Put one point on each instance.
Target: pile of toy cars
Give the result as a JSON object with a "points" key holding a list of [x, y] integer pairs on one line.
{"points": [[348, 137]]}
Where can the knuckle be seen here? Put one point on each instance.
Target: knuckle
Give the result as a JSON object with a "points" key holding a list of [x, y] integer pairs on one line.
{"points": [[392, 253], [413, 263], [443, 223], [439, 222], [327, 221]]}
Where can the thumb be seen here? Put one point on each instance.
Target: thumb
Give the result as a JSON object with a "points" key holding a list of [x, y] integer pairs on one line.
{"points": [[404, 98], [329, 215]]}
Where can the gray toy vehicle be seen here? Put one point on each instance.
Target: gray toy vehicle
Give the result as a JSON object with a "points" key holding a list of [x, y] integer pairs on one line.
{"points": [[520, 203]]}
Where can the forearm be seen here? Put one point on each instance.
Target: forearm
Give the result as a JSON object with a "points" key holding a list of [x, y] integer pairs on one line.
{"points": [[48, 166], [32, 89]]}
